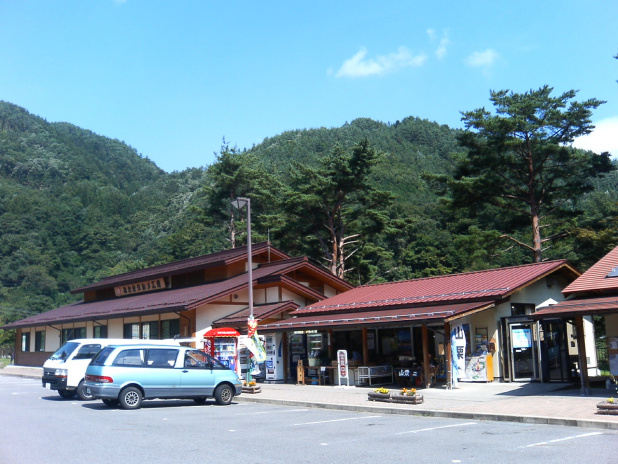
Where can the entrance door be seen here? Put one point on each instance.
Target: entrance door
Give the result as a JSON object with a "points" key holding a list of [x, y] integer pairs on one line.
{"points": [[554, 359], [523, 351]]}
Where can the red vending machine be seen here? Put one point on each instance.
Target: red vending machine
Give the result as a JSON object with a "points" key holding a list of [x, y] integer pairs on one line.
{"points": [[222, 344]]}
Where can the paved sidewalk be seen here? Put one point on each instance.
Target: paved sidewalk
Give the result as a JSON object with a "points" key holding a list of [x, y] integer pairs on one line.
{"points": [[538, 403]]}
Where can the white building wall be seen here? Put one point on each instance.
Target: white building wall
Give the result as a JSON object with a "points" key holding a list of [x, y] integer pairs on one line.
{"points": [[207, 314], [287, 295], [329, 291], [272, 294]]}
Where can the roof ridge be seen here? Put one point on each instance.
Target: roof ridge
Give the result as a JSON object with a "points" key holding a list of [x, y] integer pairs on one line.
{"points": [[481, 271]]}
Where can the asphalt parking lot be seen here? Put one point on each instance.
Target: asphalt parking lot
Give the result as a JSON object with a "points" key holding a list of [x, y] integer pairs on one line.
{"points": [[39, 426]]}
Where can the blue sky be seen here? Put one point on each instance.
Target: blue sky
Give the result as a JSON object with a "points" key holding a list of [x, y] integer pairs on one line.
{"points": [[173, 78]]}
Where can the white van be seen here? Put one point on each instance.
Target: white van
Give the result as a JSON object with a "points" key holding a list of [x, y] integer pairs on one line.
{"points": [[65, 370]]}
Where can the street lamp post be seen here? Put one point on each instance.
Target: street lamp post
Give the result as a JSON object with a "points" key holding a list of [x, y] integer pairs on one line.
{"points": [[239, 204]]}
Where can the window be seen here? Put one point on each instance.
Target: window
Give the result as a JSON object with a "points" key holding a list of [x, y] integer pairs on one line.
{"points": [[162, 358], [521, 309], [131, 330], [25, 342], [72, 334], [133, 357], [39, 341], [99, 331], [170, 328], [150, 330]]}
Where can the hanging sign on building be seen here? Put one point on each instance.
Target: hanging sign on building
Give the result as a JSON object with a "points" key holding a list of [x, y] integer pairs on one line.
{"points": [[140, 287]]}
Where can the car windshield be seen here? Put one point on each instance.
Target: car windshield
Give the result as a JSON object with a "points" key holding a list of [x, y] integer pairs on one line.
{"points": [[64, 351], [101, 356]]}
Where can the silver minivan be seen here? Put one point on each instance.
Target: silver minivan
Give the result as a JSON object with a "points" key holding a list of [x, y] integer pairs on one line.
{"points": [[128, 374]]}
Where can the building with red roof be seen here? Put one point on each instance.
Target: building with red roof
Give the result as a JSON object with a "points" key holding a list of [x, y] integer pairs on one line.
{"points": [[183, 299], [594, 293], [410, 324]]}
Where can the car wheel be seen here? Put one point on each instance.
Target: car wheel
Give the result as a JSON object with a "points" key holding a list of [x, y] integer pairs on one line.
{"points": [[130, 398], [83, 392], [224, 394], [108, 402], [199, 400], [66, 394]]}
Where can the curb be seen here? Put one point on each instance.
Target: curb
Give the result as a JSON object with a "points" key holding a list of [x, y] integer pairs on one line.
{"points": [[433, 413], [15, 372]]}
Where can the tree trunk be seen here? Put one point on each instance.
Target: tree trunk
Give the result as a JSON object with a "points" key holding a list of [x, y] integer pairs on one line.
{"points": [[536, 237]]}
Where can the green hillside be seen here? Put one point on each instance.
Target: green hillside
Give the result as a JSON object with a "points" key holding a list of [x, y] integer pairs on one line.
{"points": [[76, 206]]}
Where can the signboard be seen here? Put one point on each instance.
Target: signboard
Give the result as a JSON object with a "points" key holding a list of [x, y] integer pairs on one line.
{"points": [[476, 369], [458, 353], [342, 366], [140, 287]]}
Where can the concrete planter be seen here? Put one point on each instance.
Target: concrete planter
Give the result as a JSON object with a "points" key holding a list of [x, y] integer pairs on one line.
{"points": [[607, 408], [395, 398], [251, 389]]}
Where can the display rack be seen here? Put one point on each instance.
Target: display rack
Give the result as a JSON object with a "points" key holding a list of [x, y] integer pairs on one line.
{"points": [[369, 374]]}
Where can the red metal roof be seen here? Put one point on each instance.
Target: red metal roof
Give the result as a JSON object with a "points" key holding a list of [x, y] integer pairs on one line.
{"points": [[260, 312], [579, 307], [596, 278], [480, 285], [183, 266], [385, 316], [166, 300]]}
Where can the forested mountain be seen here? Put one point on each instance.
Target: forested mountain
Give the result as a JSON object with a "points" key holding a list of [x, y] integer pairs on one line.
{"points": [[76, 206]]}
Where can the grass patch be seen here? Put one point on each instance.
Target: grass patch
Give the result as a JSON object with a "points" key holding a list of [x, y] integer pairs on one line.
{"points": [[4, 362]]}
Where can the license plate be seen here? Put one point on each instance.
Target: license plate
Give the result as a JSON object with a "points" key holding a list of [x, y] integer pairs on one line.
{"points": [[47, 385]]}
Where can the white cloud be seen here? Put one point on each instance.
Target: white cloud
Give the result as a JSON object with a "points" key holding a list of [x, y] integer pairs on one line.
{"points": [[361, 66], [444, 42], [483, 59], [603, 138]]}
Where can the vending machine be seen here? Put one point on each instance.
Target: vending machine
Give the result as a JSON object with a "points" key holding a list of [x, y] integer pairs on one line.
{"points": [[316, 346], [274, 358], [222, 344]]}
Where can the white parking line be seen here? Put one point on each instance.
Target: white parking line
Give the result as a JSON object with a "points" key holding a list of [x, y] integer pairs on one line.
{"points": [[337, 420], [270, 411], [584, 435], [436, 428]]}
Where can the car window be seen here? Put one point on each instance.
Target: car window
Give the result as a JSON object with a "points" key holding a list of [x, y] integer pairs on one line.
{"points": [[65, 351], [102, 356], [195, 359], [88, 351], [132, 357], [199, 359], [216, 364], [161, 357]]}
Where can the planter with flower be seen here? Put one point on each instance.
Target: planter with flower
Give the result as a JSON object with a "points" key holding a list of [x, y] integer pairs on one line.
{"points": [[609, 406], [408, 396], [250, 387]]}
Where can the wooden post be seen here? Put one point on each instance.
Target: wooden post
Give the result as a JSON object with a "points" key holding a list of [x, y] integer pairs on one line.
{"points": [[425, 338], [447, 355], [581, 351], [365, 347], [300, 373]]}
